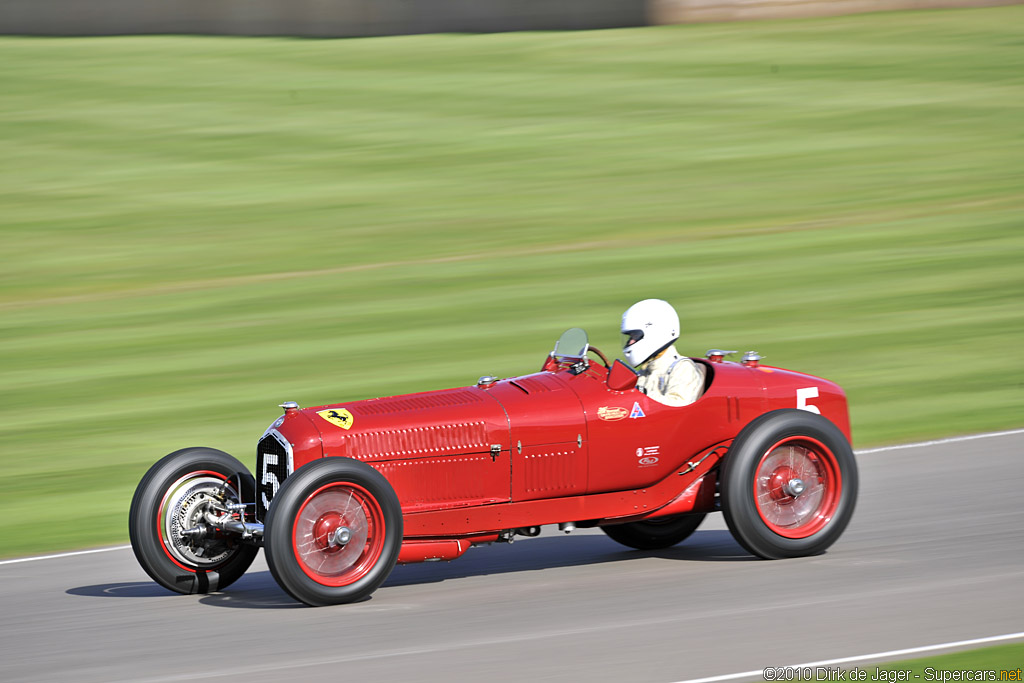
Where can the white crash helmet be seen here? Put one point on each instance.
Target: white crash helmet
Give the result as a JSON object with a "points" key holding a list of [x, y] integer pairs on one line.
{"points": [[650, 326]]}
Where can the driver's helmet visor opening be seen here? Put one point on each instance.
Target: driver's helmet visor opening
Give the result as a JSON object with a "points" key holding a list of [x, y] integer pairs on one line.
{"points": [[633, 336]]}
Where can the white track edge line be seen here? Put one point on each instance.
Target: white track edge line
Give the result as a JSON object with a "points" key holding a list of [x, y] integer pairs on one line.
{"points": [[938, 442], [898, 447], [72, 554], [860, 658]]}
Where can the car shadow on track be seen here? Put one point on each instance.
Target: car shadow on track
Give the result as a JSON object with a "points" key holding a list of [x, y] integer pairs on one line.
{"points": [[574, 551], [134, 589], [258, 590], [255, 590]]}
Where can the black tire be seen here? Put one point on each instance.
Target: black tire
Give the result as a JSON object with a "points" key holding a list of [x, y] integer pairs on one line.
{"points": [[312, 505], [655, 534], [805, 476], [165, 501]]}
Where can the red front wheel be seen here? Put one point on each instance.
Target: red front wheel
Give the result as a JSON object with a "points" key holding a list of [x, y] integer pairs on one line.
{"points": [[333, 532], [789, 485], [172, 503]]}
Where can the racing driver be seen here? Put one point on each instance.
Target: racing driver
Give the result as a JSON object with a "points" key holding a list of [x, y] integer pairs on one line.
{"points": [[651, 327]]}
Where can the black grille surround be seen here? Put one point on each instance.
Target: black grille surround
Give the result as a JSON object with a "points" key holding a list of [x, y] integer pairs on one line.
{"points": [[273, 462]]}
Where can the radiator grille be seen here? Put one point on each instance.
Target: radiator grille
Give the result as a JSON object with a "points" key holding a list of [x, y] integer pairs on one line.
{"points": [[273, 464]]}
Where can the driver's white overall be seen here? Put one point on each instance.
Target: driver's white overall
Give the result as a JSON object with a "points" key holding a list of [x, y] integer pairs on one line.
{"points": [[671, 379]]}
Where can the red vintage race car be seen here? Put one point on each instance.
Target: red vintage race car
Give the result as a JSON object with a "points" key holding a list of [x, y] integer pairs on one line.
{"points": [[346, 491]]}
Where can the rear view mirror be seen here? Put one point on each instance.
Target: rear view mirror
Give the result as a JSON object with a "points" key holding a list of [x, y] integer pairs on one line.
{"points": [[621, 377]]}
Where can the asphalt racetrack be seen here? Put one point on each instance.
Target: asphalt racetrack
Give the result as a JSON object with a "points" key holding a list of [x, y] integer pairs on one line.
{"points": [[935, 554]]}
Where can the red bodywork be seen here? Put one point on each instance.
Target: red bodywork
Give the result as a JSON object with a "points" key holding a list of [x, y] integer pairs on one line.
{"points": [[472, 463]]}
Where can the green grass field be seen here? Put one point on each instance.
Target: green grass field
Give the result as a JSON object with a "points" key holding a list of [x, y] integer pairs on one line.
{"points": [[1000, 664], [196, 229], [1005, 661]]}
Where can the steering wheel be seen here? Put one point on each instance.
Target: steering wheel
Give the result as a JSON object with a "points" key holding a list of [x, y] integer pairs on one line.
{"points": [[604, 359]]}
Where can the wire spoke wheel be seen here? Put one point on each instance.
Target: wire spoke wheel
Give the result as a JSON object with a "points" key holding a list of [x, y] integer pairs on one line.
{"points": [[169, 520], [788, 484], [333, 532], [338, 534], [797, 487]]}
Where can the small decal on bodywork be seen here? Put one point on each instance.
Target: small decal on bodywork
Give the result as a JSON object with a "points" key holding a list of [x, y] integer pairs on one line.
{"points": [[611, 413], [647, 455], [337, 417], [637, 411]]}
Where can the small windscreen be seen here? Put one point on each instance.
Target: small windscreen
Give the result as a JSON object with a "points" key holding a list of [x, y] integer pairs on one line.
{"points": [[572, 344]]}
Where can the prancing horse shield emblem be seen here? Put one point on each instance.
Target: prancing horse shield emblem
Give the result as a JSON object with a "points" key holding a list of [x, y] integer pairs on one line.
{"points": [[338, 417]]}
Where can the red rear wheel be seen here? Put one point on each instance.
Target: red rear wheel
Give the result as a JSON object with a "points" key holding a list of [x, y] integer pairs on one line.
{"points": [[797, 487], [788, 484]]}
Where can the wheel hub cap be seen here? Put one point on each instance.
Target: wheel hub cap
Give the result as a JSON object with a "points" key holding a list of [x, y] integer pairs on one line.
{"points": [[325, 531], [342, 535], [794, 487], [779, 484]]}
